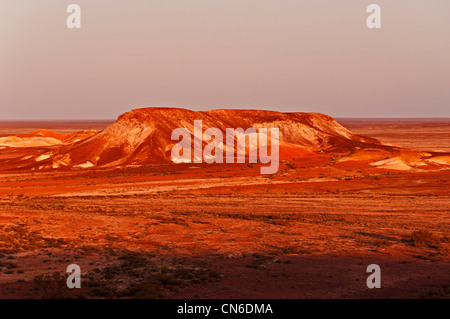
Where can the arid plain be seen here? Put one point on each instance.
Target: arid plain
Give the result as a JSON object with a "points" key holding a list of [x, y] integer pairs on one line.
{"points": [[226, 231]]}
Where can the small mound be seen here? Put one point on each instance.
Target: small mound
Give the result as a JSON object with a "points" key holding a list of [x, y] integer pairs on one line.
{"points": [[16, 141], [442, 160], [395, 163]]}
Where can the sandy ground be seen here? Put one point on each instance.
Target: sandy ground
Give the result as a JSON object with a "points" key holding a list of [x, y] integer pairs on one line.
{"points": [[223, 231]]}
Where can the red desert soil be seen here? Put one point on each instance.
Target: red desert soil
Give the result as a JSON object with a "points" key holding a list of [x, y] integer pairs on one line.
{"points": [[225, 231]]}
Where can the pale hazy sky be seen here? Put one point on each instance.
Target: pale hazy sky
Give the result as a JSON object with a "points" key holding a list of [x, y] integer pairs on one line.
{"points": [[298, 56]]}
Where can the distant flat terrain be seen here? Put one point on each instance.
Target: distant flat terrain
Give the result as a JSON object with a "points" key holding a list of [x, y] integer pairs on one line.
{"points": [[8, 128], [421, 134]]}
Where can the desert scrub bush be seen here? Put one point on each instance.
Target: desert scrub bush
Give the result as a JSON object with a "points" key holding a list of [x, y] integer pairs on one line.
{"points": [[442, 251], [424, 238], [291, 166], [436, 293], [103, 291], [383, 243], [170, 219], [145, 290], [17, 237], [52, 286], [8, 265], [258, 260], [298, 250], [136, 275]]}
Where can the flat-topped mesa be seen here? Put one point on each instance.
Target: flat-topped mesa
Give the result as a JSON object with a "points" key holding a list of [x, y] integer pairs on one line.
{"points": [[143, 136], [304, 129]]}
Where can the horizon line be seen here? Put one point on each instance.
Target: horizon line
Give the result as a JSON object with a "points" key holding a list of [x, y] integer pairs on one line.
{"points": [[337, 117]]}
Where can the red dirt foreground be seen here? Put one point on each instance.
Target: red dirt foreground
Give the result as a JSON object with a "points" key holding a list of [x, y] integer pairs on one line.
{"points": [[140, 226]]}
